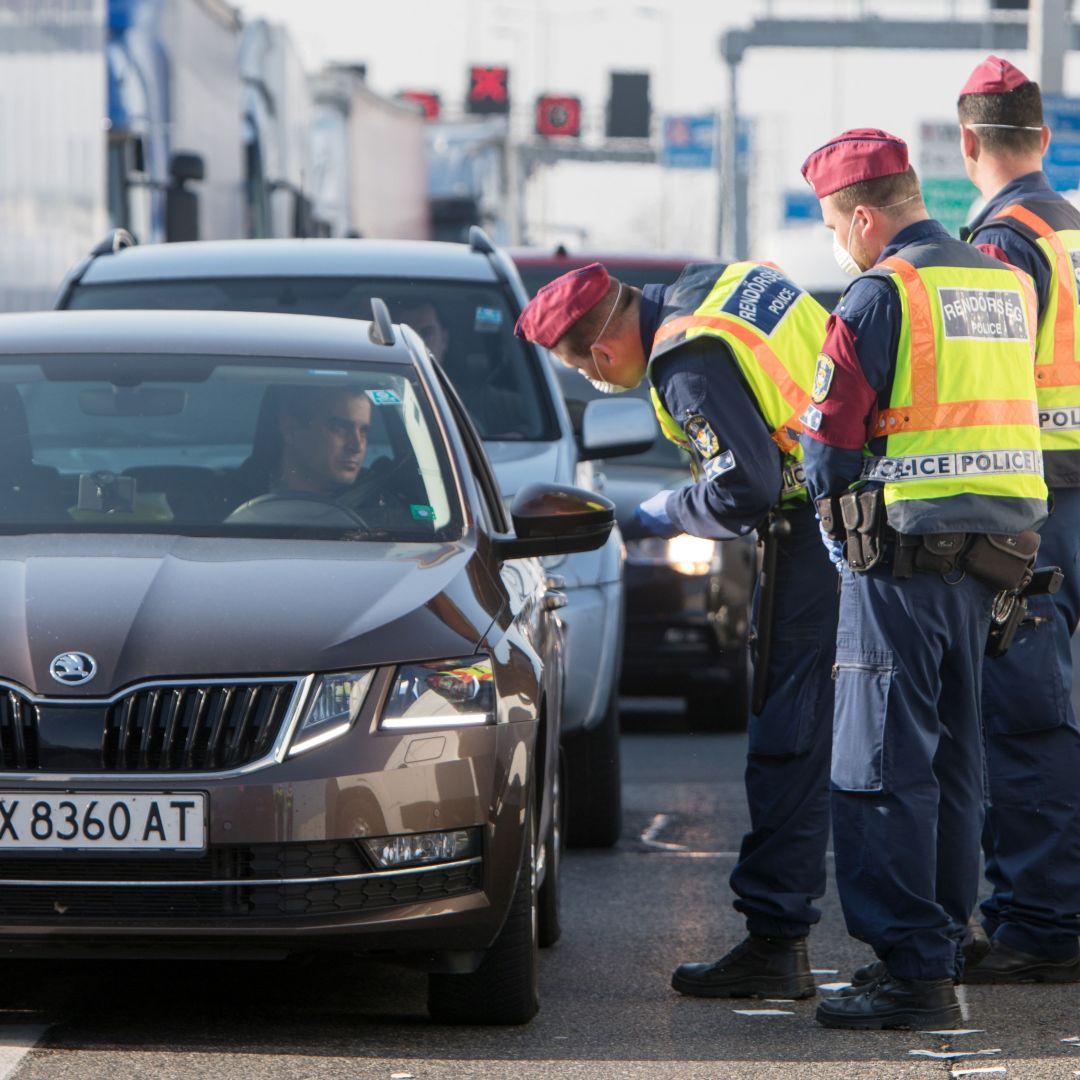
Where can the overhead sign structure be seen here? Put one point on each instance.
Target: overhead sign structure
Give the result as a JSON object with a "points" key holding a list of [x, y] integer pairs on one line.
{"points": [[1062, 161], [558, 115], [689, 142], [948, 193], [428, 100], [489, 91]]}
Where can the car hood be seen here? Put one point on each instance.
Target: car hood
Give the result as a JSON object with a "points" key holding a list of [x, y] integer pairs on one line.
{"points": [[150, 606], [519, 463]]}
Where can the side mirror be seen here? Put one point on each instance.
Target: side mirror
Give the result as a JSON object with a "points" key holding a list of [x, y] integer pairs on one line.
{"points": [[550, 519], [613, 428]]}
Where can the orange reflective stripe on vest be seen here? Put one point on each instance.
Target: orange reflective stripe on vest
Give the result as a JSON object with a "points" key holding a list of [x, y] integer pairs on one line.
{"points": [[1064, 370], [769, 361], [925, 413]]}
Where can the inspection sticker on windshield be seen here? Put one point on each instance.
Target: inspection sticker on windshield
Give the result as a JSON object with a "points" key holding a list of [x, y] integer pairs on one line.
{"points": [[487, 320], [421, 512], [383, 397]]}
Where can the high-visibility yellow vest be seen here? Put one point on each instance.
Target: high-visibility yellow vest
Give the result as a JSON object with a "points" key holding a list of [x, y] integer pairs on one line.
{"points": [[772, 328], [1053, 226], [962, 447]]}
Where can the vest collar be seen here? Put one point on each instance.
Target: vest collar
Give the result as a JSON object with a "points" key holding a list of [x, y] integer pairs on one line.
{"points": [[1033, 183], [653, 298], [916, 233]]}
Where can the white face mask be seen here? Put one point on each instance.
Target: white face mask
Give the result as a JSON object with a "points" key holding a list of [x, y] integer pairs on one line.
{"points": [[842, 254], [603, 385], [844, 259]]}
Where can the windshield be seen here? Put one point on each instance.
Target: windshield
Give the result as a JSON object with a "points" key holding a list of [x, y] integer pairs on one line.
{"points": [[469, 328], [214, 447]]}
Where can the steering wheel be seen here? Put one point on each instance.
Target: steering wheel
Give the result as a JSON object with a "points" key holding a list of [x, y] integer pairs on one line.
{"points": [[253, 512]]}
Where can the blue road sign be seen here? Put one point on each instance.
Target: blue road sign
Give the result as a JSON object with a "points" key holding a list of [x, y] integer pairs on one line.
{"points": [[801, 206], [1062, 161], [689, 142]]}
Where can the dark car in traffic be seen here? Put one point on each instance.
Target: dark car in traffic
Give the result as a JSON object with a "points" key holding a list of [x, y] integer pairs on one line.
{"points": [[280, 673], [464, 300]]}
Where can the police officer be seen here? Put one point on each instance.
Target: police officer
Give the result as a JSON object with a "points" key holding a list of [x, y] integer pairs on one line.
{"points": [[1031, 839], [730, 352], [923, 443]]}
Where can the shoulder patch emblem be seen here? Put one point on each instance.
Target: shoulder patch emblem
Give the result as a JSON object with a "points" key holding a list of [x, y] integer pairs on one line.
{"points": [[701, 434], [823, 376], [811, 418]]}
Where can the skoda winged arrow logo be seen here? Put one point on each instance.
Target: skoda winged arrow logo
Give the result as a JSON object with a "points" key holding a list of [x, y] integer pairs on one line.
{"points": [[73, 668]]}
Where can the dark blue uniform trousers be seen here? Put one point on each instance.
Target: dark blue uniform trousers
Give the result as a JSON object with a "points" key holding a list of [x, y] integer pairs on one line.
{"points": [[781, 867], [907, 764], [1031, 839]]}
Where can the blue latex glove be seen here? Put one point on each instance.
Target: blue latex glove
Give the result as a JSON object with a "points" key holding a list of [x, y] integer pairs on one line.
{"points": [[652, 515], [835, 548]]}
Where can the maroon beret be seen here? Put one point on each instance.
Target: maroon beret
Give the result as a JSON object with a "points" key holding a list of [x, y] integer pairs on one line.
{"points": [[559, 304], [994, 76], [852, 157]]}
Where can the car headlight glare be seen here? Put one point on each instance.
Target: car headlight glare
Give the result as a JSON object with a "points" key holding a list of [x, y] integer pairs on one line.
{"points": [[440, 693], [335, 704], [694, 556], [418, 849]]}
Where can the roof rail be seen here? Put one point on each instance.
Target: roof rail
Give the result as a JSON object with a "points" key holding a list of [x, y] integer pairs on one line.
{"points": [[480, 241], [382, 329], [113, 241]]}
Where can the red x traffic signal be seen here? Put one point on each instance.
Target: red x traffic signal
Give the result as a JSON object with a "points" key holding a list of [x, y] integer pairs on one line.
{"points": [[558, 114], [489, 91]]}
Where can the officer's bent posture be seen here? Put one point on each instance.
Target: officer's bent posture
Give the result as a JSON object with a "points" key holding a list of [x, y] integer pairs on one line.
{"points": [[731, 353], [929, 373], [1031, 838]]}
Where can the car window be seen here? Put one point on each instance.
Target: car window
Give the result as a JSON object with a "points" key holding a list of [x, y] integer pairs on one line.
{"points": [[213, 446], [468, 326], [536, 275]]}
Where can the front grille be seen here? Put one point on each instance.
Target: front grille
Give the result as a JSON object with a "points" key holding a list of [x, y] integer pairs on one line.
{"points": [[116, 905], [221, 862], [193, 728], [18, 732]]}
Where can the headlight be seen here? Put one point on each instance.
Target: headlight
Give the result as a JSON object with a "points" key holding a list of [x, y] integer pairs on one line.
{"points": [[333, 709], [418, 849], [691, 555], [440, 693]]}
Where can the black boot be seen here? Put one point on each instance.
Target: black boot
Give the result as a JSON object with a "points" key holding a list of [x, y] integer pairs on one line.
{"points": [[757, 967], [869, 973], [893, 1003], [1003, 964], [976, 946]]}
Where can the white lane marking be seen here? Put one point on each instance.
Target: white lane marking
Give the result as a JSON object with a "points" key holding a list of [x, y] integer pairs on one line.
{"points": [[824, 971], [979, 1072], [16, 1041], [946, 1055], [956, 1031], [763, 1012], [655, 827], [830, 988]]}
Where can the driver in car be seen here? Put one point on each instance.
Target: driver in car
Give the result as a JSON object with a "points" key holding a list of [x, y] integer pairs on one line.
{"points": [[324, 436]]}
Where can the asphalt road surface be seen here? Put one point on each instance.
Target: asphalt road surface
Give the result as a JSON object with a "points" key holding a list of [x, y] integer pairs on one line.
{"points": [[630, 914]]}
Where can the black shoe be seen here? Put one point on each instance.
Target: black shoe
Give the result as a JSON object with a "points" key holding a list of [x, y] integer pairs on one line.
{"points": [[873, 972], [1003, 964], [976, 943], [757, 967], [893, 1003]]}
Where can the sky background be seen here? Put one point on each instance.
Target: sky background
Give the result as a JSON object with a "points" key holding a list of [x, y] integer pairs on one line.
{"points": [[797, 98]]}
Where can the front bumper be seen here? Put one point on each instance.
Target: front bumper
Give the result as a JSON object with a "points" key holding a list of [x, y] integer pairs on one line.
{"points": [[282, 869]]}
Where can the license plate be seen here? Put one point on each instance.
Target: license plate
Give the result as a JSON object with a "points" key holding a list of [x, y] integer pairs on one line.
{"points": [[175, 821]]}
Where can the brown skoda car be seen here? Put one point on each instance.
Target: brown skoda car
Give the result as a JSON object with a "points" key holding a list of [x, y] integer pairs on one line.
{"points": [[276, 673]]}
